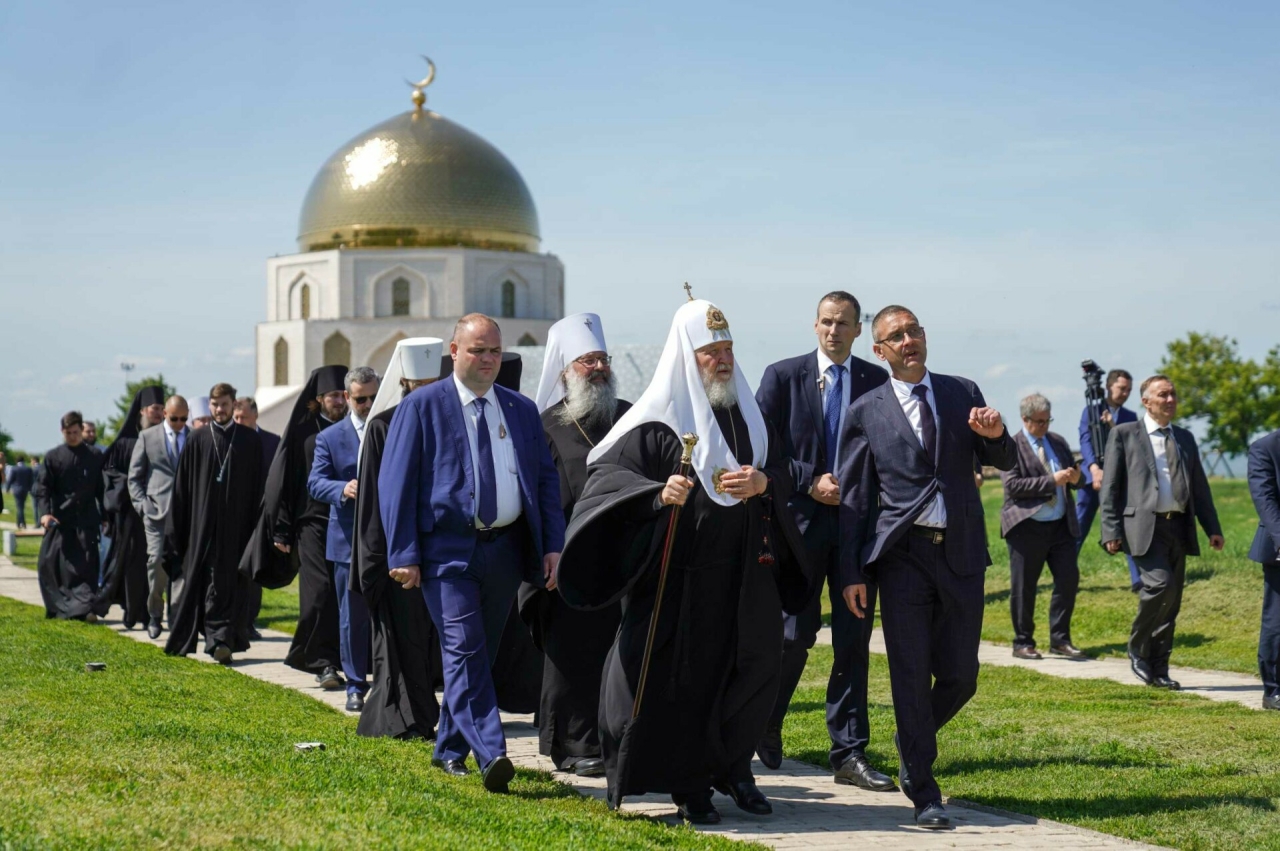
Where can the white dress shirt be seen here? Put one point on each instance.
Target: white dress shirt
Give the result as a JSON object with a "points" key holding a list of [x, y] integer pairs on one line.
{"points": [[935, 513], [506, 473], [174, 441], [1164, 485], [358, 424], [828, 387]]}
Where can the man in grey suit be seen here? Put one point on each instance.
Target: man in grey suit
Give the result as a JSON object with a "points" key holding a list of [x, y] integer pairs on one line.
{"points": [[1152, 487], [1264, 487], [151, 472], [1038, 523]]}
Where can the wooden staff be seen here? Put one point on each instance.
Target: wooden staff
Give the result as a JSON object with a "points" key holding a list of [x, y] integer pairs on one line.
{"points": [[686, 458]]}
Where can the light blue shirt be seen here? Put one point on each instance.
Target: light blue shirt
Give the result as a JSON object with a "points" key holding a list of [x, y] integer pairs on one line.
{"points": [[1047, 513]]}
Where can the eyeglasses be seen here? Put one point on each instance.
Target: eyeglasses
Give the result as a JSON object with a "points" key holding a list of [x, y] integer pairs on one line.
{"points": [[592, 360], [915, 332], [360, 400], [177, 419], [1039, 422]]}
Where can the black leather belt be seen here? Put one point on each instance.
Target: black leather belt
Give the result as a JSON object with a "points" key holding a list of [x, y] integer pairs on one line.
{"points": [[936, 536], [486, 536], [1168, 515]]}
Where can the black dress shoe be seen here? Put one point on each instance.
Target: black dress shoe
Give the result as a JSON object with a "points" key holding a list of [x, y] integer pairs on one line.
{"points": [[452, 767], [904, 781], [254, 635], [1141, 669], [329, 679], [1163, 681], [1027, 653], [590, 766], [857, 771], [769, 749], [355, 701], [747, 795], [933, 816], [697, 809], [1067, 650], [1271, 701], [222, 654], [498, 773], [153, 629]]}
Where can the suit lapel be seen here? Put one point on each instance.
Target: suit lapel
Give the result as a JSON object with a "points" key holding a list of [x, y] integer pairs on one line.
{"points": [[892, 410], [513, 434], [1144, 447], [947, 410], [458, 426], [809, 379]]}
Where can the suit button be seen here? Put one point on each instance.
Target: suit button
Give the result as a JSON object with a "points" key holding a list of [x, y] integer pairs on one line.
{"points": [[472, 494]]}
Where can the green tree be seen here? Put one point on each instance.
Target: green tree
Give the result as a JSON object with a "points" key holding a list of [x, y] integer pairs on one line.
{"points": [[107, 431], [6, 440], [1237, 398]]}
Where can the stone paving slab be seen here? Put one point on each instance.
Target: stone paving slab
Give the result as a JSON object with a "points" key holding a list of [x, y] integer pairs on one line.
{"points": [[810, 811], [1222, 686]]}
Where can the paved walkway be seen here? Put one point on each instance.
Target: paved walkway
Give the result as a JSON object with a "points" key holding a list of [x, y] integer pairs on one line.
{"points": [[1215, 685], [810, 810]]}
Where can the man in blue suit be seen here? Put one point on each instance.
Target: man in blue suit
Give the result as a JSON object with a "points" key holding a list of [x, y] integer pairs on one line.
{"points": [[911, 520], [1264, 487], [333, 481], [1119, 385], [805, 399], [470, 501]]}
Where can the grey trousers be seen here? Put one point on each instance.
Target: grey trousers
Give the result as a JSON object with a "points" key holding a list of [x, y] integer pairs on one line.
{"points": [[157, 579]]}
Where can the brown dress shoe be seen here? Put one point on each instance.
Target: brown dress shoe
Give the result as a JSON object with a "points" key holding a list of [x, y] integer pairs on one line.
{"points": [[1066, 650], [1026, 653]]}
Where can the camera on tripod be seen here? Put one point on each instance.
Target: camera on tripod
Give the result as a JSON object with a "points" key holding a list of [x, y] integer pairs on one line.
{"points": [[1095, 401]]}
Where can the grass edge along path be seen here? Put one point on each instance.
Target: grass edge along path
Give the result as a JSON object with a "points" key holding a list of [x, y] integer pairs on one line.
{"points": [[157, 751]]}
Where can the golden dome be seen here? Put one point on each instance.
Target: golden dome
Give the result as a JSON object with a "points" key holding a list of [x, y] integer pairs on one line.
{"points": [[418, 180]]}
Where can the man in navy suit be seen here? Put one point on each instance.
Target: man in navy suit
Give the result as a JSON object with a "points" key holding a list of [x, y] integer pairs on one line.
{"points": [[1264, 487], [1119, 385], [470, 501], [805, 399], [912, 521], [333, 481]]}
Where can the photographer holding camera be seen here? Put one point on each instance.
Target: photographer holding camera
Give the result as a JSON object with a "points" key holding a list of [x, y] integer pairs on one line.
{"points": [[1101, 413]]}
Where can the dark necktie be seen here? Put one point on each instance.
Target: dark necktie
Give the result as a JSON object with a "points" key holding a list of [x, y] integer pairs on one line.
{"points": [[928, 428], [1177, 476], [488, 508], [831, 415]]}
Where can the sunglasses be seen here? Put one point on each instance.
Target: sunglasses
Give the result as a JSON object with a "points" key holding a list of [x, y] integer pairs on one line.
{"points": [[177, 419], [360, 400]]}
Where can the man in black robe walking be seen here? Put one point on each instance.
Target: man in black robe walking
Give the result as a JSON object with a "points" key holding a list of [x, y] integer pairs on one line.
{"points": [[68, 502], [125, 577], [579, 405], [736, 563], [212, 513]]}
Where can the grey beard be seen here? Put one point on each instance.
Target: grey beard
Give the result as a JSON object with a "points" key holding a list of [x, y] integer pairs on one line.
{"points": [[586, 403], [721, 394]]}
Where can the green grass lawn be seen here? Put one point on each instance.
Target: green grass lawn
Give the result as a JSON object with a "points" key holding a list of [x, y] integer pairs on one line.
{"points": [[163, 752], [1131, 761], [1221, 607]]}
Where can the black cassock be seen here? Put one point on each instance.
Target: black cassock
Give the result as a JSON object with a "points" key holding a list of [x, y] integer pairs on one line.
{"points": [[125, 576], [315, 643], [714, 673], [69, 486], [574, 642], [215, 504], [401, 702]]}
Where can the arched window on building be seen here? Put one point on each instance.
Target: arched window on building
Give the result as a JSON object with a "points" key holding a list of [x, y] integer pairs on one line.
{"points": [[508, 299], [281, 362], [400, 297], [304, 302], [337, 350]]}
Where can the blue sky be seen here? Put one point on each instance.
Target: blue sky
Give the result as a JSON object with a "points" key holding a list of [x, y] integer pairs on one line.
{"points": [[1041, 182]]}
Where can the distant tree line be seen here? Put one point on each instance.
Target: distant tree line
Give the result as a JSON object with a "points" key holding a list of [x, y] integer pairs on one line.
{"points": [[1237, 398]]}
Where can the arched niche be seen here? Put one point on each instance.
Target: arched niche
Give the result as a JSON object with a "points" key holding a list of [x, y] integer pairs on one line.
{"points": [[281, 362], [337, 350]]}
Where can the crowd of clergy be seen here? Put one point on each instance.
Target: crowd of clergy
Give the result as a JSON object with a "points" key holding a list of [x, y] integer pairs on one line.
{"points": [[644, 576]]}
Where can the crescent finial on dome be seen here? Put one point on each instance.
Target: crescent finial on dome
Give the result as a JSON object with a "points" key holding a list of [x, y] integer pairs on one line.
{"points": [[419, 97]]}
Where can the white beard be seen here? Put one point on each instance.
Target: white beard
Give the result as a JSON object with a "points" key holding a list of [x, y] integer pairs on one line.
{"points": [[721, 394], [587, 403]]}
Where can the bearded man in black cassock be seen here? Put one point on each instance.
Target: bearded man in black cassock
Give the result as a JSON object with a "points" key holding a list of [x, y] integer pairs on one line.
{"points": [[736, 563], [217, 491], [125, 577], [68, 502], [579, 405], [406, 668]]}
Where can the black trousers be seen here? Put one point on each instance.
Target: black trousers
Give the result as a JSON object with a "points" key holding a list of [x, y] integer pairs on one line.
{"points": [[932, 620], [1162, 571], [1269, 640], [1032, 544], [316, 641], [847, 722]]}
